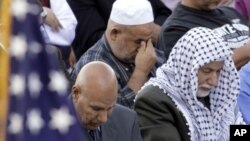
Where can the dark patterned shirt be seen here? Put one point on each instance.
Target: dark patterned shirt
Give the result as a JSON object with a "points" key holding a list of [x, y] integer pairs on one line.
{"points": [[101, 51]]}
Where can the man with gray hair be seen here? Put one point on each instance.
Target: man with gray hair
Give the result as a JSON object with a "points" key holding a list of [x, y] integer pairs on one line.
{"points": [[127, 47]]}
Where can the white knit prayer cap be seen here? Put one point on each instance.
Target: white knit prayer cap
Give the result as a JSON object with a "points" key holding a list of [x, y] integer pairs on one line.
{"points": [[132, 12]]}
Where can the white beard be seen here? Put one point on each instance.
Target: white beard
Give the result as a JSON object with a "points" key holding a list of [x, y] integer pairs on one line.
{"points": [[201, 93]]}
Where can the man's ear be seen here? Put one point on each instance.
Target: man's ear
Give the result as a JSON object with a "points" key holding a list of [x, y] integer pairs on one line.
{"points": [[114, 33], [75, 93]]}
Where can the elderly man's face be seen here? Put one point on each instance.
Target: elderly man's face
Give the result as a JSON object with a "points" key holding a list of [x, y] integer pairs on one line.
{"points": [[208, 76], [129, 41], [94, 106]]}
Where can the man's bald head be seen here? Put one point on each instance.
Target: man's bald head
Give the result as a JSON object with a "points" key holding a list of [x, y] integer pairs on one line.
{"points": [[96, 74], [95, 93]]}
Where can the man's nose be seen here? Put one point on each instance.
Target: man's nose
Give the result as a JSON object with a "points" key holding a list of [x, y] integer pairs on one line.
{"points": [[213, 80], [103, 116]]}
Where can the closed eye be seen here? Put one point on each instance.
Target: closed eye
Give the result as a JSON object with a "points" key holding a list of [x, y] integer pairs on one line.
{"points": [[97, 108], [207, 70], [138, 41]]}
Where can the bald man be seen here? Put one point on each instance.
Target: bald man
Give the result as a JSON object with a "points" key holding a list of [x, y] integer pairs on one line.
{"points": [[94, 96]]}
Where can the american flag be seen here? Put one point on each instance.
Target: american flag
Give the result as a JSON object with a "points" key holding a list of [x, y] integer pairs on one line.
{"points": [[39, 107]]}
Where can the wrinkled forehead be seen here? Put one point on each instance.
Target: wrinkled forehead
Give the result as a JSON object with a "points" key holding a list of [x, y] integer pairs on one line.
{"points": [[101, 94], [143, 28], [143, 32]]}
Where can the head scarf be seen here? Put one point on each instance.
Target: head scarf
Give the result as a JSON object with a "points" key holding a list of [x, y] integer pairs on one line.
{"points": [[178, 78]]}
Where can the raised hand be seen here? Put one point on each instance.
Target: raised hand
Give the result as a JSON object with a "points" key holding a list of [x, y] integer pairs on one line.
{"points": [[146, 57]]}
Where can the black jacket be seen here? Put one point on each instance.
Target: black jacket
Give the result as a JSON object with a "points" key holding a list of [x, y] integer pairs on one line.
{"points": [[159, 118]]}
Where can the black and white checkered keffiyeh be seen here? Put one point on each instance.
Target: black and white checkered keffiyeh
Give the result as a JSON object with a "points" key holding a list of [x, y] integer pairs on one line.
{"points": [[178, 78]]}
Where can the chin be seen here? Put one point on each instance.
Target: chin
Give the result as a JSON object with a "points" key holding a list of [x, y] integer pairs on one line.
{"points": [[89, 127], [129, 60], [212, 7], [132, 61]]}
